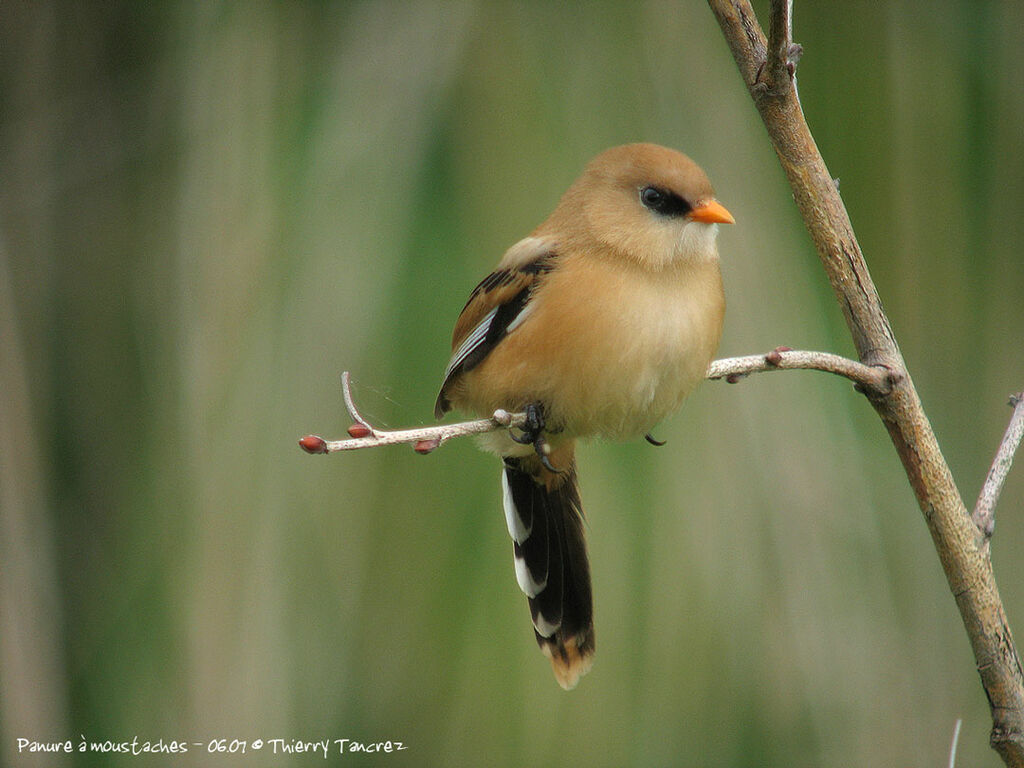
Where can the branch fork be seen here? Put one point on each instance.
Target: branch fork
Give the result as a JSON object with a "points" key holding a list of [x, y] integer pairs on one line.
{"points": [[777, 61]]}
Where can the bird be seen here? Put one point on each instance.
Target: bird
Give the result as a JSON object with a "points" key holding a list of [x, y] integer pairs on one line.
{"points": [[596, 325]]}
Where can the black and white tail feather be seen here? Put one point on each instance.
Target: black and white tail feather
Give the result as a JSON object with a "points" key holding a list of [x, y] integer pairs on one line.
{"points": [[545, 521]]}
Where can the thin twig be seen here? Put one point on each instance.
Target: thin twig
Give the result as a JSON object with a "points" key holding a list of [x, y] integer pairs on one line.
{"points": [[350, 405], [424, 439], [875, 379], [984, 514], [956, 738]]}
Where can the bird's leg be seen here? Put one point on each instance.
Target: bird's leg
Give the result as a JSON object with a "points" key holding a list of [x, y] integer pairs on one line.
{"points": [[533, 434], [652, 441]]}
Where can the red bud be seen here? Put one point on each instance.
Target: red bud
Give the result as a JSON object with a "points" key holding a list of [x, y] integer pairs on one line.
{"points": [[313, 444], [426, 446], [359, 430]]}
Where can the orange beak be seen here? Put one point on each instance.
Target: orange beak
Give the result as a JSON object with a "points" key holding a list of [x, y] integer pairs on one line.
{"points": [[711, 212]]}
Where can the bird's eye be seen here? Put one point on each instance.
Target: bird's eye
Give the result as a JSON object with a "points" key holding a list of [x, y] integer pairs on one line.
{"points": [[664, 202], [652, 197]]}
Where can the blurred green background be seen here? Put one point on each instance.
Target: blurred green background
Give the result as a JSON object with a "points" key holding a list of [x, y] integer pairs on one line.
{"points": [[209, 210]]}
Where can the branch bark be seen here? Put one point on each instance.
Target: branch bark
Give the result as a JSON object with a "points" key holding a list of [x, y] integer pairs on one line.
{"points": [[362, 434], [985, 508], [768, 70], [867, 378]]}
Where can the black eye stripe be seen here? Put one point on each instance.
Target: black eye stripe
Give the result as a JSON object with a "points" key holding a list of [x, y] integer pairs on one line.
{"points": [[664, 201]]}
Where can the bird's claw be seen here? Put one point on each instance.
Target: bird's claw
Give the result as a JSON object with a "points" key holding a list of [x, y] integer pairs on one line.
{"points": [[533, 430], [542, 448], [524, 439]]}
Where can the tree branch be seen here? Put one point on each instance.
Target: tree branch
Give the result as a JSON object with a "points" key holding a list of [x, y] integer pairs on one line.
{"points": [[960, 547], [362, 434], [876, 379], [424, 439], [985, 509], [781, 51]]}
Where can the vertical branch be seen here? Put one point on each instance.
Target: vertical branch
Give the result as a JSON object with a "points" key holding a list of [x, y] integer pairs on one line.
{"points": [[768, 69]]}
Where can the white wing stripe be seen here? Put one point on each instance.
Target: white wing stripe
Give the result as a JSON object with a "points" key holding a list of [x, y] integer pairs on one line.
{"points": [[523, 313], [471, 342]]}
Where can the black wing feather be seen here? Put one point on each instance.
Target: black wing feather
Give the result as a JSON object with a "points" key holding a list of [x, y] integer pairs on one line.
{"points": [[499, 324]]}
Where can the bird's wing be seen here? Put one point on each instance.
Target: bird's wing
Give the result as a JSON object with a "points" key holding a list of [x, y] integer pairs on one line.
{"points": [[495, 308]]}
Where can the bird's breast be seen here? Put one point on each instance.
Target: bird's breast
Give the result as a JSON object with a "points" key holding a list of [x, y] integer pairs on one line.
{"points": [[631, 345], [608, 349]]}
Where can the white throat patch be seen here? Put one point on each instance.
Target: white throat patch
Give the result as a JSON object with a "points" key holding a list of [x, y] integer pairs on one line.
{"points": [[697, 242]]}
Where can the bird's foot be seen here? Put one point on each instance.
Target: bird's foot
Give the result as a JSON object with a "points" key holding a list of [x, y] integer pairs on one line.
{"points": [[533, 434]]}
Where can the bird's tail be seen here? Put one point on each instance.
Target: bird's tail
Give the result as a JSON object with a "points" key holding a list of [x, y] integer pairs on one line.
{"points": [[545, 520]]}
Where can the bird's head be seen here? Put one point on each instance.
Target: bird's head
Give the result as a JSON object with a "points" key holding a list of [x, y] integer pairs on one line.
{"points": [[646, 203]]}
